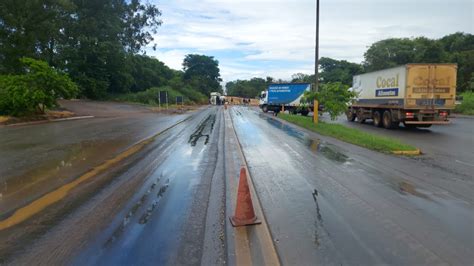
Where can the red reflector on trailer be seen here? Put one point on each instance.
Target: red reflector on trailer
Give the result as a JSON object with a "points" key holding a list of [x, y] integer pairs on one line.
{"points": [[409, 114]]}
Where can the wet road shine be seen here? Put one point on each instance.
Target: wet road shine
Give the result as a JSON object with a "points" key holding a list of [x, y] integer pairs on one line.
{"points": [[339, 204], [166, 201]]}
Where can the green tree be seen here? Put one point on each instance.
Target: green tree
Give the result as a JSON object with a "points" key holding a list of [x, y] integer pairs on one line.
{"points": [[36, 89], [247, 88], [202, 72], [338, 71], [31, 28], [389, 53], [90, 39], [334, 96]]}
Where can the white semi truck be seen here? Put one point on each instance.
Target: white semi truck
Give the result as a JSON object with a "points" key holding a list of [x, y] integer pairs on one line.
{"points": [[417, 95]]}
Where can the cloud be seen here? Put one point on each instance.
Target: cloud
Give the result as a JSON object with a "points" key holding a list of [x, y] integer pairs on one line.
{"points": [[276, 37]]}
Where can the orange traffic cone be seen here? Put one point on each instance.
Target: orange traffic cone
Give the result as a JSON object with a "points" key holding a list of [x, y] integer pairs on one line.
{"points": [[244, 212]]}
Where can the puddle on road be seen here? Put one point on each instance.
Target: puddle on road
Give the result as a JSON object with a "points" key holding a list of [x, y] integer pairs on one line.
{"points": [[287, 129], [315, 145], [407, 188], [206, 125]]}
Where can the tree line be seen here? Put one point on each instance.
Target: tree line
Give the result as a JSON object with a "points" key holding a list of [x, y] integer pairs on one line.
{"points": [[455, 48], [99, 44]]}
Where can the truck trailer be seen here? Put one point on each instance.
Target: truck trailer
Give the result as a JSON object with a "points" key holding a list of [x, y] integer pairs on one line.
{"points": [[417, 95], [285, 96]]}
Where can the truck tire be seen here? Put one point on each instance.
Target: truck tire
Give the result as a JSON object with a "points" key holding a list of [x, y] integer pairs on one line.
{"points": [[350, 116], [360, 116], [377, 119], [304, 113], [387, 120], [265, 108]]}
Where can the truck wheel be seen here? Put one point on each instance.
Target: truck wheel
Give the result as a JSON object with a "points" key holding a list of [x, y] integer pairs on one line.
{"points": [[377, 119], [265, 109], [387, 120], [350, 116], [360, 116], [304, 113]]}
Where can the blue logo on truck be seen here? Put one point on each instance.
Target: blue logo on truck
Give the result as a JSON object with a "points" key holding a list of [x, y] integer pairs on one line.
{"points": [[386, 92], [286, 93]]}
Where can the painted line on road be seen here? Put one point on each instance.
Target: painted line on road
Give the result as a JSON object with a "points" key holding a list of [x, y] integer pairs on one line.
{"points": [[56, 195], [461, 162], [415, 152], [49, 121]]}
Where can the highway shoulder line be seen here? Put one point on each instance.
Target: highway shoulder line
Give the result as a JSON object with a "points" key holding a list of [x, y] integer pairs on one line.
{"points": [[49, 121]]}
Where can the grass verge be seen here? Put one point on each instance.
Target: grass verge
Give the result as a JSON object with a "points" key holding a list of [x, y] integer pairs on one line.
{"points": [[467, 105], [350, 135]]}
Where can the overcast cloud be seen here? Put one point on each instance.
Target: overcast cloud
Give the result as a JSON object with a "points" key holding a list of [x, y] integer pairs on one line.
{"points": [[276, 38]]}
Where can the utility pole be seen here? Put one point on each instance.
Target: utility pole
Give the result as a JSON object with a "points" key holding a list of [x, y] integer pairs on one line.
{"points": [[316, 50]]}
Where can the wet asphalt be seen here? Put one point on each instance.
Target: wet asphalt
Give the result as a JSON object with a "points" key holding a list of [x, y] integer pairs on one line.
{"points": [[445, 146], [163, 224], [37, 158], [326, 202], [332, 203]]}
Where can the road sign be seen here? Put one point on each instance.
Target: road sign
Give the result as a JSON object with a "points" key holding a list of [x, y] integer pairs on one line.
{"points": [[179, 100], [163, 98]]}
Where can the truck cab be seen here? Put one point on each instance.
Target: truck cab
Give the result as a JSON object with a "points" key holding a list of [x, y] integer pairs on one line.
{"points": [[263, 99]]}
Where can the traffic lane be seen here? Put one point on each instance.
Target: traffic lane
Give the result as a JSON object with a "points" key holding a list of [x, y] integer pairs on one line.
{"points": [[447, 146], [330, 205], [36, 159], [173, 201]]}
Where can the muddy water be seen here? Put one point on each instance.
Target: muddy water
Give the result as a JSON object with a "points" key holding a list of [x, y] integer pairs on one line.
{"points": [[54, 172]]}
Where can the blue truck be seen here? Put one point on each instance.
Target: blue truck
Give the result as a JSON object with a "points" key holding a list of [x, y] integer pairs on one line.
{"points": [[286, 97]]}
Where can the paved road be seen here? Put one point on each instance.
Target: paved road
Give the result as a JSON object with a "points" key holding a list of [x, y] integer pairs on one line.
{"points": [[449, 147], [328, 202], [166, 200], [37, 158]]}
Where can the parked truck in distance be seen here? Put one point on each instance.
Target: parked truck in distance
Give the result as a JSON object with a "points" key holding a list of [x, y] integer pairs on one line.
{"points": [[285, 97], [417, 95]]}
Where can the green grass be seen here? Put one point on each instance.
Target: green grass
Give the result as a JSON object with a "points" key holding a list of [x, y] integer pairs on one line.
{"points": [[467, 105], [350, 135]]}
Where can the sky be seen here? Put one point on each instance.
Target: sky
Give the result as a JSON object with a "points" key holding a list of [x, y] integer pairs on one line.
{"points": [[276, 38]]}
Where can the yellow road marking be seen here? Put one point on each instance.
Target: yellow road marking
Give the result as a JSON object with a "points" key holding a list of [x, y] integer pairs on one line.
{"points": [[415, 152], [54, 196]]}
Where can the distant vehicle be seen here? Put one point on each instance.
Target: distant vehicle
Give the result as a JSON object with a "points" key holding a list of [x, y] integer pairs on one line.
{"points": [[216, 98], [285, 96], [418, 95]]}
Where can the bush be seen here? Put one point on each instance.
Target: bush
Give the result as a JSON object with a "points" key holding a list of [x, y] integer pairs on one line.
{"points": [[150, 96], [34, 91], [467, 105], [334, 96]]}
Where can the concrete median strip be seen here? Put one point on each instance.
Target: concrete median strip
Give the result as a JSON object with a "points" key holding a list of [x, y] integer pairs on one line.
{"points": [[56, 195], [253, 244]]}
